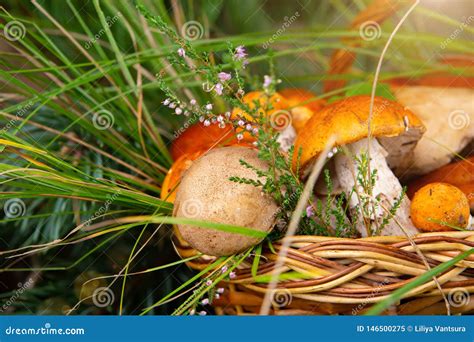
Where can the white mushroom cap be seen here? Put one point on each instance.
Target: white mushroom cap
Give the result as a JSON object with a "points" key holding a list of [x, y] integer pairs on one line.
{"points": [[207, 194], [448, 114]]}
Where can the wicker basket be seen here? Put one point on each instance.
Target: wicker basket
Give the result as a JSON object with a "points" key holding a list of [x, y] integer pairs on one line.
{"points": [[346, 276]]}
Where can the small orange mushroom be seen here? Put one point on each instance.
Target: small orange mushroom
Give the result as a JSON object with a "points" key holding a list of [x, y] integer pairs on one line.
{"points": [[459, 174], [439, 207]]}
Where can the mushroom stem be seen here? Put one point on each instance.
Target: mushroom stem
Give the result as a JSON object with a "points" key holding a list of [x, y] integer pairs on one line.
{"points": [[387, 188]]}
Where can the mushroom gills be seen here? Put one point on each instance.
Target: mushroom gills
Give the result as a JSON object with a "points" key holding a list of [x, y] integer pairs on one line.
{"points": [[387, 187]]}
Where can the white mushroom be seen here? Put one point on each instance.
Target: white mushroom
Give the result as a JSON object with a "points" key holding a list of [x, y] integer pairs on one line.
{"points": [[207, 194]]}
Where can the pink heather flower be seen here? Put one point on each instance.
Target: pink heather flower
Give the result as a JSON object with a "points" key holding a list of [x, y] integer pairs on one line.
{"points": [[207, 123], [178, 111], [192, 102], [201, 118], [240, 136], [309, 211], [218, 89], [255, 131], [245, 63], [202, 313], [267, 80], [166, 102], [232, 275], [209, 106], [181, 52], [248, 127], [208, 282], [220, 290], [224, 76], [241, 123], [205, 301], [186, 113], [240, 52], [224, 269], [172, 105]]}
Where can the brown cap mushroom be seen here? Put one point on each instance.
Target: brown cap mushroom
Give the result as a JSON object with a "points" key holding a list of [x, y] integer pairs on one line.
{"points": [[438, 207], [395, 132], [206, 194]]}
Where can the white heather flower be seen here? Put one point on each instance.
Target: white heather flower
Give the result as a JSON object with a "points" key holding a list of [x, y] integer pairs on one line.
{"points": [[208, 282], [255, 144], [220, 118], [221, 125], [255, 131], [192, 312], [192, 102], [166, 102], [248, 127], [227, 115], [232, 275], [241, 123], [224, 76], [207, 123], [186, 113], [201, 118], [172, 105], [202, 313], [218, 89], [217, 296], [220, 290], [267, 80], [209, 106], [205, 301], [240, 136], [178, 111], [181, 52]]}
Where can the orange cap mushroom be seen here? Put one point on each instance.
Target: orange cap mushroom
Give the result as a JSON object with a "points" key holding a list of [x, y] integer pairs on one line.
{"points": [[439, 207], [199, 137], [395, 132]]}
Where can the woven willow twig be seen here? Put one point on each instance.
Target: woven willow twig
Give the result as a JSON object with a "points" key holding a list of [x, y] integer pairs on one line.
{"points": [[346, 276]]}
